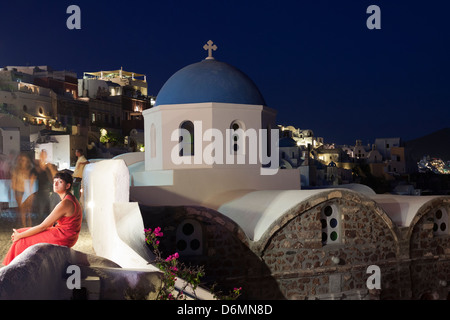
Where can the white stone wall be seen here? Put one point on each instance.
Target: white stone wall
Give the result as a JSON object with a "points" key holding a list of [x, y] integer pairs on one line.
{"points": [[115, 224]]}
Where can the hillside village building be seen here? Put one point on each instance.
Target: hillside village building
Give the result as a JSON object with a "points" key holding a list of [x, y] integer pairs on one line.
{"points": [[125, 90], [327, 164], [52, 102]]}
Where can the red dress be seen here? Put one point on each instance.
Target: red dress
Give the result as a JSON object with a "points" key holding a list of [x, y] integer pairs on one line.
{"points": [[64, 233]]}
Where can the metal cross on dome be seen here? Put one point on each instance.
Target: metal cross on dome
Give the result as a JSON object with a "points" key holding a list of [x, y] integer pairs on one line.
{"points": [[210, 47]]}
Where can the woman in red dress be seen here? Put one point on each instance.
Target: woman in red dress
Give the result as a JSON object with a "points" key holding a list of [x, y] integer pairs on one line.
{"points": [[67, 215]]}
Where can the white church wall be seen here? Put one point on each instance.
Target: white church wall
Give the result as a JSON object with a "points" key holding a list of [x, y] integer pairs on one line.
{"points": [[131, 157], [172, 118], [115, 224], [168, 118], [224, 114], [153, 139], [402, 209], [248, 117], [169, 179], [111, 217], [139, 177], [213, 187]]}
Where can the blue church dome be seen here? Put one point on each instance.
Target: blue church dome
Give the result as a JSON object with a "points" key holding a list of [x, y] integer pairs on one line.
{"points": [[209, 81]]}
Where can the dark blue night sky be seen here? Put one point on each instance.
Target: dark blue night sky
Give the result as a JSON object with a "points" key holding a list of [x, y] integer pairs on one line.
{"points": [[316, 62]]}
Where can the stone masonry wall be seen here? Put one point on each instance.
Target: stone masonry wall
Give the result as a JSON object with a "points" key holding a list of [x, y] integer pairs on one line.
{"points": [[226, 256], [291, 262], [306, 268], [430, 253]]}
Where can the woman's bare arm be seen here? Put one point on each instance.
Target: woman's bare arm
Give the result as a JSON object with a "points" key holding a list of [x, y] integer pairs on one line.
{"points": [[63, 208]]}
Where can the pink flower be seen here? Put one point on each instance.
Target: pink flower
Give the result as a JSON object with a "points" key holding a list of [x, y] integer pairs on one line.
{"points": [[173, 257], [158, 232]]}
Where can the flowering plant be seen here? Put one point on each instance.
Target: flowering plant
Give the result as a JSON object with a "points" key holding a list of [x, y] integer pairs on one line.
{"points": [[173, 268], [233, 295]]}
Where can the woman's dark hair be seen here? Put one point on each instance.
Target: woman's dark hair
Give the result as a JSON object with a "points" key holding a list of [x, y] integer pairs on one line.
{"points": [[65, 176]]}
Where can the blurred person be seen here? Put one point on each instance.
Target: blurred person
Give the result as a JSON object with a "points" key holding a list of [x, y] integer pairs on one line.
{"points": [[4, 168], [5, 181], [23, 177], [78, 173], [7, 195], [61, 227], [44, 173]]}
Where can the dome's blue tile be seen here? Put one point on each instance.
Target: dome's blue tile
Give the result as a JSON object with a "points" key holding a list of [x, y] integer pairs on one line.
{"points": [[209, 81]]}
